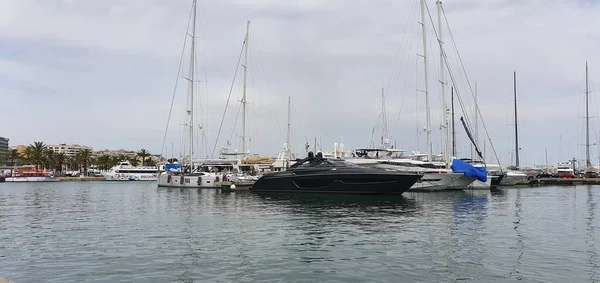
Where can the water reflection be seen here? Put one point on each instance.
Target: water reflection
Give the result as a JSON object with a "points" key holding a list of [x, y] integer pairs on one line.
{"points": [[470, 213], [519, 246], [590, 239], [117, 232]]}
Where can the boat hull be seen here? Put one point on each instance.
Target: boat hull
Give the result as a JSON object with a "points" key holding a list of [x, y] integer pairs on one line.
{"points": [[432, 182], [338, 183], [460, 182], [188, 181], [513, 179], [497, 180], [129, 176], [32, 179], [479, 185]]}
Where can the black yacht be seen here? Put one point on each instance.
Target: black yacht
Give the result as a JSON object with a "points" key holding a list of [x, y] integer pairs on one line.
{"points": [[316, 174]]}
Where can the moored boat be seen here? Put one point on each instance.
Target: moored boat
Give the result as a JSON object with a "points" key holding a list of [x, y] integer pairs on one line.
{"points": [[513, 177], [334, 176], [29, 173], [124, 171]]}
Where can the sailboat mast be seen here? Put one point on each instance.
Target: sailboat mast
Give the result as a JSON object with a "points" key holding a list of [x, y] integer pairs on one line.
{"points": [[476, 114], [426, 90], [443, 85], [453, 126], [243, 101], [476, 133], [289, 128], [384, 129], [546, 153], [516, 125], [191, 83], [587, 120]]}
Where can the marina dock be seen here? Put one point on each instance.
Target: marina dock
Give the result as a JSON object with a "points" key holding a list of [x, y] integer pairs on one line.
{"points": [[566, 181]]}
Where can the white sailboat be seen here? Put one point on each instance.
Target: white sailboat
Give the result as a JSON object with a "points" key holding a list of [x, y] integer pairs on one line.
{"points": [[436, 177], [286, 158], [188, 175], [245, 155], [513, 176]]}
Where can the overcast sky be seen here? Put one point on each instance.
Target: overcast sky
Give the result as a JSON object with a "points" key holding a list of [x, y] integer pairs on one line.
{"points": [[102, 73]]}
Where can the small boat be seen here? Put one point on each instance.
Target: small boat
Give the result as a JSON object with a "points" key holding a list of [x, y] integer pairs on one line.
{"points": [[316, 174], [513, 177], [29, 173]]}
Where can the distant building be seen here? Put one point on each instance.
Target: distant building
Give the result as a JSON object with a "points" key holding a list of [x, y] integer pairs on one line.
{"points": [[4, 150], [70, 150], [129, 154], [21, 149], [110, 152], [9, 161]]}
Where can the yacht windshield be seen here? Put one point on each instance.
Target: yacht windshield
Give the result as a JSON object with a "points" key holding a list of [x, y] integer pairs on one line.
{"points": [[323, 162]]}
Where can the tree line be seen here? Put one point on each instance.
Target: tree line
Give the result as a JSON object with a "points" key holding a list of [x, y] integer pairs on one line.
{"points": [[42, 157]]}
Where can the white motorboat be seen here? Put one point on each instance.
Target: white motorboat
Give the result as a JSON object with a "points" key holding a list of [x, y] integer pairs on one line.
{"points": [[124, 171]]}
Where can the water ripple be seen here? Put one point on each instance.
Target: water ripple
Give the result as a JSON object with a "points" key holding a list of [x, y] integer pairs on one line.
{"points": [[132, 232]]}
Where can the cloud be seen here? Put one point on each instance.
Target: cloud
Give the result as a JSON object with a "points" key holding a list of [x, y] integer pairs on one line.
{"points": [[102, 73]]}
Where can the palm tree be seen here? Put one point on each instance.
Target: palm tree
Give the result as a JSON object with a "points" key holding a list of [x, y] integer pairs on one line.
{"points": [[134, 161], [59, 161], [104, 162], [115, 160], [73, 163], [35, 153], [83, 158], [14, 155], [150, 162], [143, 153], [48, 159]]}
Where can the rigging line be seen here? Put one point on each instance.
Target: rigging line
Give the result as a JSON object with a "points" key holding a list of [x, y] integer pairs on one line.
{"points": [[444, 55], [176, 82], [409, 47], [228, 98], [406, 79], [267, 84], [235, 123], [469, 84], [401, 44]]}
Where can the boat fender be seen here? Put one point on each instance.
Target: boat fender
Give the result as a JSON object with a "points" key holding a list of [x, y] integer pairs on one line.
{"points": [[181, 180], [232, 186], [224, 178], [216, 178], [199, 181], [168, 179]]}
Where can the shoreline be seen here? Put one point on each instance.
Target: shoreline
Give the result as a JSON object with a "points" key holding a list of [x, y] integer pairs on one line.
{"points": [[79, 179]]}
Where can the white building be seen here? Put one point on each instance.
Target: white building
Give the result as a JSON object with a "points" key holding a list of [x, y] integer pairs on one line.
{"points": [[70, 150]]}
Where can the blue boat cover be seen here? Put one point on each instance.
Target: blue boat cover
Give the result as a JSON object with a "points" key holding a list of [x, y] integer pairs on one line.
{"points": [[469, 170], [172, 167]]}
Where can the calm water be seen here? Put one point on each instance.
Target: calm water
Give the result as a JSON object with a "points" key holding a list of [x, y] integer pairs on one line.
{"points": [[134, 232]]}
